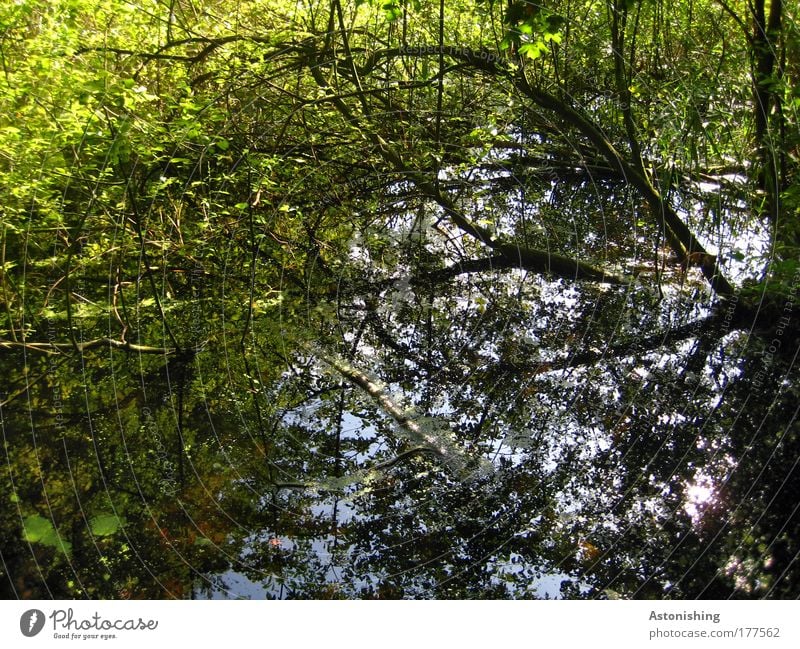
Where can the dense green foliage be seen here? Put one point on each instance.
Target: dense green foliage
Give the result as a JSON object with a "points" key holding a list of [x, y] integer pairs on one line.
{"points": [[399, 299]]}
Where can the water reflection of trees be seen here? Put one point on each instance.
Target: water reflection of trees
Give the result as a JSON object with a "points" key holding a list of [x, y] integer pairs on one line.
{"points": [[370, 362], [600, 421]]}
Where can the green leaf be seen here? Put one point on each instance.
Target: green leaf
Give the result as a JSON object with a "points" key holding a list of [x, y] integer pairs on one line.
{"points": [[40, 530], [392, 11], [64, 546], [533, 50], [37, 528], [105, 524]]}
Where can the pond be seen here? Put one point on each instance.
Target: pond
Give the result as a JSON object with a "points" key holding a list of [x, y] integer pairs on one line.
{"points": [[477, 440]]}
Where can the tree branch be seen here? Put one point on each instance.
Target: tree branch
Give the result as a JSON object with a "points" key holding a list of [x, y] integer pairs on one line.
{"points": [[58, 348], [680, 237], [528, 258]]}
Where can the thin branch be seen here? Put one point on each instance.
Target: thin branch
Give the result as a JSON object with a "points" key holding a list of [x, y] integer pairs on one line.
{"points": [[727, 8], [59, 348]]}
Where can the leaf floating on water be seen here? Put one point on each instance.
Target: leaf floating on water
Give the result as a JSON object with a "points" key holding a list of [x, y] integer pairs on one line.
{"points": [[38, 529], [105, 524]]}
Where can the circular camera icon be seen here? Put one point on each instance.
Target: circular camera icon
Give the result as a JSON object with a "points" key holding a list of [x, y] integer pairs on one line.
{"points": [[31, 622]]}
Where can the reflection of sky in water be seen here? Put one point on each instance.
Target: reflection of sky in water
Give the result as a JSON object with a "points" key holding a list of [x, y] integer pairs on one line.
{"points": [[333, 555], [697, 495], [234, 585], [514, 447]]}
